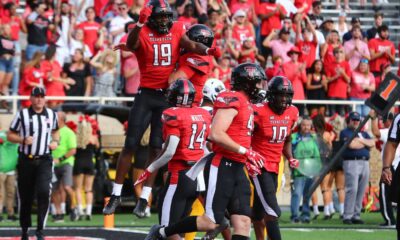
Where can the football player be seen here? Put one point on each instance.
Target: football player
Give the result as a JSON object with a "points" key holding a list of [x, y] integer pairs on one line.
{"points": [[185, 131], [193, 66], [273, 122], [156, 41], [228, 187]]}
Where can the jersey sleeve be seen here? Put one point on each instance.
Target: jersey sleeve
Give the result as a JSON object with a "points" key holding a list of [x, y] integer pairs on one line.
{"points": [[170, 123], [227, 100], [257, 108]]}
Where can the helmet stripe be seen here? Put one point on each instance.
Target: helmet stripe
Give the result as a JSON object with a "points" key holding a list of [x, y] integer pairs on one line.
{"points": [[162, 4], [185, 92]]}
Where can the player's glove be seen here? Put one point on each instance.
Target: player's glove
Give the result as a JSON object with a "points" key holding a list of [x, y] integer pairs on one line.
{"points": [[143, 177], [252, 169], [255, 158], [214, 51], [144, 14], [294, 163]]}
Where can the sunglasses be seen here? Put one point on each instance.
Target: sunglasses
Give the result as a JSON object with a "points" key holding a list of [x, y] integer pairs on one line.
{"points": [[364, 60], [355, 119]]}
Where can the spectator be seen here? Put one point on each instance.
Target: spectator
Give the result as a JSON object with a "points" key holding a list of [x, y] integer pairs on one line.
{"points": [[341, 26], [307, 42], [276, 69], [8, 165], [105, 64], [316, 13], [362, 85], [316, 86], [305, 148], [63, 157], [117, 23], [79, 71], [7, 52], [356, 168], [398, 70], [64, 22], [287, 23], [224, 70], [91, 30], [249, 52], [327, 53], [303, 6], [35, 164], [346, 5], [38, 24], [339, 76], [281, 46], [215, 23], [53, 82], [188, 16], [296, 73], [242, 29], [382, 51], [228, 44], [32, 77], [378, 21], [356, 49], [76, 41], [355, 22], [327, 27], [382, 134], [17, 25], [248, 7], [84, 169], [80, 7], [270, 14], [320, 38]]}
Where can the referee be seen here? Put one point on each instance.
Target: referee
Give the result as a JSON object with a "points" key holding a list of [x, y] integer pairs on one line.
{"points": [[36, 130], [388, 156]]}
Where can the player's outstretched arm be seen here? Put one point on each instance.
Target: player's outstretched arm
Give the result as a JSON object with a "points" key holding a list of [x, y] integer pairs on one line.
{"points": [[166, 154], [198, 48]]}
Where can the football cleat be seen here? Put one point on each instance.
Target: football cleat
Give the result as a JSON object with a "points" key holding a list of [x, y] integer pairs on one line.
{"points": [[140, 209], [112, 205]]}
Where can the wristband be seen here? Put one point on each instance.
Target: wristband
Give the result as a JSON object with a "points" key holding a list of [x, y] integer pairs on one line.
{"points": [[242, 150], [139, 24], [384, 168], [207, 54], [62, 158]]}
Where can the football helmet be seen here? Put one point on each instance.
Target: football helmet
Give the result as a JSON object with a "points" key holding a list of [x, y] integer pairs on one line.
{"points": [[161, 16], [245, 77], [202, 34], [181, 93], [212, 88], [279, 94]]}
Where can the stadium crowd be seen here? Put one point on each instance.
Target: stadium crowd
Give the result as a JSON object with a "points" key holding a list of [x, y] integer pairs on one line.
{"points": [[70, 52]]}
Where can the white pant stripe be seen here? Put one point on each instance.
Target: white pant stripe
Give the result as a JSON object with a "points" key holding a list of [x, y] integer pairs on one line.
{"points": [[166, 206], [267, 208], [212, 185]]}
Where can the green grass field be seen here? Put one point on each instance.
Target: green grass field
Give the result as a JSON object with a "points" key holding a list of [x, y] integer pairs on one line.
{"points": [[319, 229]]}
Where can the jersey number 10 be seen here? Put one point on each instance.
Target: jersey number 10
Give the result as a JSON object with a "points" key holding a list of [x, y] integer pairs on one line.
{"points": [[278, 134], [162, 54]]}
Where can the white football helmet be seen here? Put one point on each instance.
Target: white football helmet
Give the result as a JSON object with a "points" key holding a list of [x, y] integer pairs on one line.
{"points": [[212, 88]]}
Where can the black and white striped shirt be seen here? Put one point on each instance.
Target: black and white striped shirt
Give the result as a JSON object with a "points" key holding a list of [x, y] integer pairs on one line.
{"points": [[38, 125], [394, 130]]}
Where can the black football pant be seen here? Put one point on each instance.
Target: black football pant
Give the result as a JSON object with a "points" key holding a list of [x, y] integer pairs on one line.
{"points": [[385, 203], [34, 175]]}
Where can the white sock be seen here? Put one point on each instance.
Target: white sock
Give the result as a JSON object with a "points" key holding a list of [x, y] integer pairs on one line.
{"points": [[162, 232], [326, 210], [80, 209], [315, 209], [146, 191], [117, 188], [53, 209], [331, 208], [341, 208], [88, 209], [63, 207]]}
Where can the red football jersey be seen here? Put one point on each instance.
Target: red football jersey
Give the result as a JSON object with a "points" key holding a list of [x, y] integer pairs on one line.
{"points": [[158, 55], [192, 126], [242, 125], [197, 68], [270, 133]]}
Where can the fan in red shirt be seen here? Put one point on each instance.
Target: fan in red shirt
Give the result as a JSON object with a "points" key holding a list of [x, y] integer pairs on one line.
{"points": [[224, 171], [215, 24], [15, 21], [195, 67], [156, 40], [223, 71], [242, 29], [338, 76], [271, 15], [90, 30], [307, 42], [32, 77], [273, 123], [185, 131], [382, 51], [332, 42], [188, 16]]}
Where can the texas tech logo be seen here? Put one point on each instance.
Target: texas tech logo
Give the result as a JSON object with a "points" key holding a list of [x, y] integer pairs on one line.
{"points": [[250, 70], [205, 33]]}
